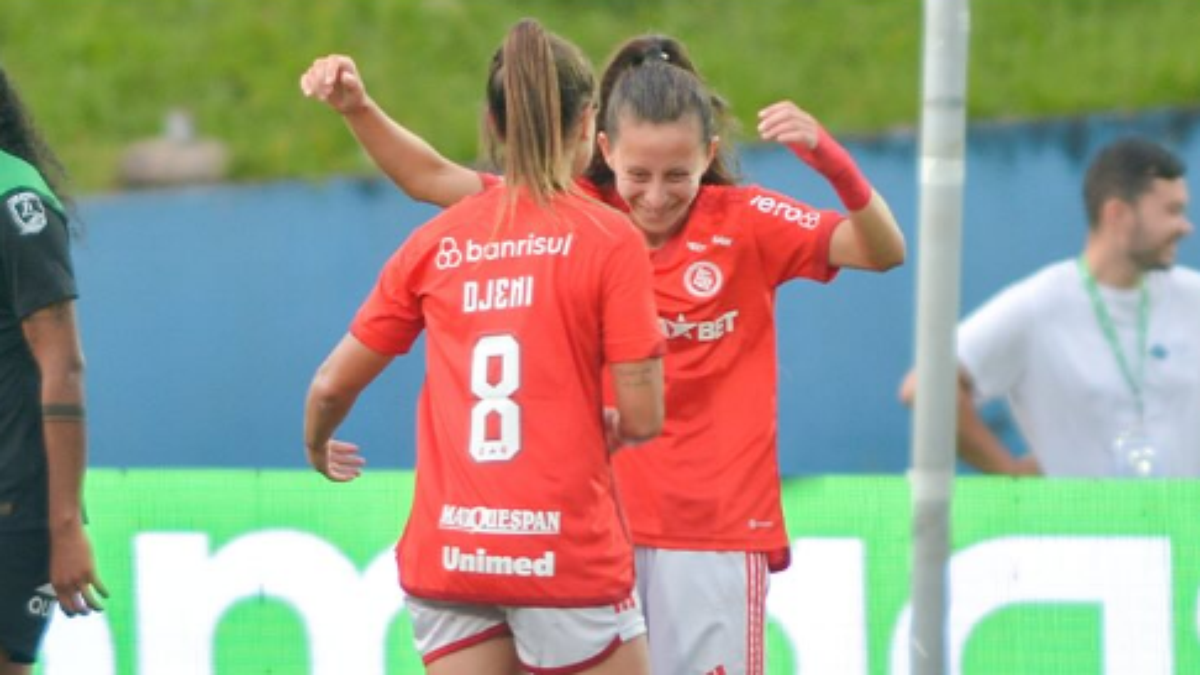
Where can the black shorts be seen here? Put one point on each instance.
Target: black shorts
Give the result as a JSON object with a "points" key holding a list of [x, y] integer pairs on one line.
{"points": [[26, 599]]}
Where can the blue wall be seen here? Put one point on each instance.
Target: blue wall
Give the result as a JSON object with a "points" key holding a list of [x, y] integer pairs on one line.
{"points": [[206, 311]]}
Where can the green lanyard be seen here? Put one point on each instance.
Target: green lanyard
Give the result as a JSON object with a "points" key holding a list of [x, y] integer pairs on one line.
{"points": [[1110, 332]]}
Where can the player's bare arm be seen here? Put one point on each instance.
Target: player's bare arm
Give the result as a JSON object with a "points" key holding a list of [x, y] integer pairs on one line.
{"points": [[53, 339], [334, 389], [639, 392], [870, 238], [412, 164]]}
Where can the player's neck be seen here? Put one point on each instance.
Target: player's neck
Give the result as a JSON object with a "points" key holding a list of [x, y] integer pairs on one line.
{"points": [[1111, 267]]}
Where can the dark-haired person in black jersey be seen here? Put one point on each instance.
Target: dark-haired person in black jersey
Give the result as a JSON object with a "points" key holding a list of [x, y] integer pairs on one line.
{"points": [[45, 556]]}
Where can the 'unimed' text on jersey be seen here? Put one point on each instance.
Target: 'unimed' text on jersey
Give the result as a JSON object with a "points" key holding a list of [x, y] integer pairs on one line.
{"points": [[514, 501]]}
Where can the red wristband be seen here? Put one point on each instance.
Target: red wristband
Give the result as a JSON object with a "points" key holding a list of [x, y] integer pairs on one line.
{"points": [[832, 161]]}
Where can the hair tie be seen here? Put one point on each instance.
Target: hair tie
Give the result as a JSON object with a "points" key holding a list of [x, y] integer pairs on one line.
{"points": [[653, 54]]}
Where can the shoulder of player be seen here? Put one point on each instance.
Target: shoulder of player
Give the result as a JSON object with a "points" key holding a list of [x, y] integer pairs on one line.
{"points": [[590, 214], [470, 210], [25, 212], [751, 204], [18, 177]]}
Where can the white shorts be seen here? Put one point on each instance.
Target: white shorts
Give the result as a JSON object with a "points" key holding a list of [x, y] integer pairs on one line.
{"points": [[548, 639], [705, 610]]}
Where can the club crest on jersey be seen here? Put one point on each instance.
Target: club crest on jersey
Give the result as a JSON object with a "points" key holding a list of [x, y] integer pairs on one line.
{"points": [[28, 212], [703, 279]]}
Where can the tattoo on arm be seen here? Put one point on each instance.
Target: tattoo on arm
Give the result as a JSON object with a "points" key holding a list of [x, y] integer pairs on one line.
{"points": [[63, 412], [641, 375]]}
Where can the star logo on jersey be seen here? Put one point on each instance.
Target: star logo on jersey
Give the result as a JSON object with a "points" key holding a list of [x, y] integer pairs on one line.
{"points": [[699, 331], [703, 279], [448, 256], [28, 212], [681, 327]]}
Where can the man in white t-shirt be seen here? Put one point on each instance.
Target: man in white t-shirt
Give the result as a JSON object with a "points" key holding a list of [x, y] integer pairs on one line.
{"points": [[1098, 356]]}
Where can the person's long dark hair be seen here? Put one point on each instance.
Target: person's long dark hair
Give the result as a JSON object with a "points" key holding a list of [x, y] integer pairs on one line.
{"points": [[19, 137], [653, 79]]}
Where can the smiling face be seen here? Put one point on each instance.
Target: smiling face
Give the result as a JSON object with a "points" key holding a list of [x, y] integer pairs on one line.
{"points": [[1156, 223], [657, 169]]}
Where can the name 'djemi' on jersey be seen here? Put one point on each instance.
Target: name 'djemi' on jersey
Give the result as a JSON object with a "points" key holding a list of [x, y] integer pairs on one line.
{"points": [[495, 294]]}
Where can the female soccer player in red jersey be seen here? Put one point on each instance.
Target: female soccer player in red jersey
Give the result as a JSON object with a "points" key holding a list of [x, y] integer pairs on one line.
{"points": [[703, 499], [515, 557]]}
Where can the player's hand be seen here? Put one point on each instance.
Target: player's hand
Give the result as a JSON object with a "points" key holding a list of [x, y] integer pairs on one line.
{"points": [[1025, 465], [340, 462], [334, 80], [612, 425], [73, 572], [787, 123]]}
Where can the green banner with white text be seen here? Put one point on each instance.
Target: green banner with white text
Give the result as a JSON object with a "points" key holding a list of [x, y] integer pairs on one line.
{"points": [[238, 572]]}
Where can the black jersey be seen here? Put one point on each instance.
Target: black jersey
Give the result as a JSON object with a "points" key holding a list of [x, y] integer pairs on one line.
{"points": [[35, 271]]}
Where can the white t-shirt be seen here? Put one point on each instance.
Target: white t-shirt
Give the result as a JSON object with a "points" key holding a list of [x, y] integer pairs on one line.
{"points": [[1039, 345]]}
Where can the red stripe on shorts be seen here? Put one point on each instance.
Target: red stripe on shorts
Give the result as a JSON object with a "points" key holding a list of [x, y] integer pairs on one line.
{"points": [[499, 630], [756, 609], [586, 664]]}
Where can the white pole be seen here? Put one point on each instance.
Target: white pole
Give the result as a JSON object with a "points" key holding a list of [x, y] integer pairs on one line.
{"points": [[943, 139]]}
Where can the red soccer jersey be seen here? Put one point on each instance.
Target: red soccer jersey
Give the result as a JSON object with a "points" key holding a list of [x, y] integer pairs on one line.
{"points": [[514, 501], [711, 480]]}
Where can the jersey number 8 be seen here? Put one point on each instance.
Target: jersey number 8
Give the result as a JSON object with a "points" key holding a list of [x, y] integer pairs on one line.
{"points": [[495, 400]]}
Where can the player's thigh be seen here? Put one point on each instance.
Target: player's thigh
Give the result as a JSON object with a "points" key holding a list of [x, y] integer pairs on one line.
{"points": [[581, 639], [706, 610], [461, 638], [26, 599], [492, 657], [631, 658]]}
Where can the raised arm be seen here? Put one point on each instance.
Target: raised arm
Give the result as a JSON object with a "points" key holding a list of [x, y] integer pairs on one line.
{"points": [[870, 238], [414, 166], [978, 445], [53, 339]]}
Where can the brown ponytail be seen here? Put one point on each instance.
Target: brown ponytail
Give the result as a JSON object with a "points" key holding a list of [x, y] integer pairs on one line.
{"points": [[538, 88]]}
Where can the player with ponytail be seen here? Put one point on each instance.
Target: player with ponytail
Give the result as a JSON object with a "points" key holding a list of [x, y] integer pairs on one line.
{"points": [[515, 557], [703, 499]]}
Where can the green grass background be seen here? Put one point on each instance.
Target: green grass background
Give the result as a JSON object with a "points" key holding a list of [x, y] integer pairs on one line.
{"points": [[100, 74]]}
